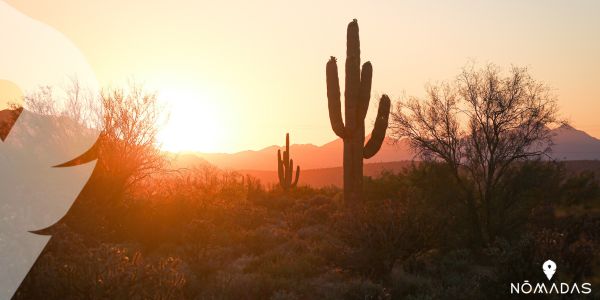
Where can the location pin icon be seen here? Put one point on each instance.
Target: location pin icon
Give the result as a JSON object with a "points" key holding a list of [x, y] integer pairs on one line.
{"points": [[549, 268]]}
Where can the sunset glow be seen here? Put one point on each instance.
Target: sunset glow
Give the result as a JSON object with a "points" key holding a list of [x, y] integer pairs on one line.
{"points": [[266, 149], [191, 121], [239, 65]]}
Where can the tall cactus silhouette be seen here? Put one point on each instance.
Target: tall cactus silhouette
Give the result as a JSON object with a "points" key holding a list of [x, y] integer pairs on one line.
{"points": [[357, 96], [285, 167]]}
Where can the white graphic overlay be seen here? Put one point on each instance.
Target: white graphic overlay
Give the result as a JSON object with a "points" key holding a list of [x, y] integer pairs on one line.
{"points": [[34, 194], [549, 268]]}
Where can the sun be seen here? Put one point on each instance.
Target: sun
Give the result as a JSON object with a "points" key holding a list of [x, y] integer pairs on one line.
{"points": [[193, 122]]}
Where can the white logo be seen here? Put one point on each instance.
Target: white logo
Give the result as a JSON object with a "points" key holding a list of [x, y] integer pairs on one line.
{"points": [[557, 288], [33, 193], [549, 268]]}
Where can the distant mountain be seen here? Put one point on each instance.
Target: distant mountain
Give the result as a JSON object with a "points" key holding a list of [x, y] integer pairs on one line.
{"points": [[570, 144], [307, 155], [186, 160], [573, 144]]}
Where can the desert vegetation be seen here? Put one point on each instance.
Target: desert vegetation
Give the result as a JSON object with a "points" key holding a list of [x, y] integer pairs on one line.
{"points": [[481, 208], [205, 234], [357, 95], [285, 167]]}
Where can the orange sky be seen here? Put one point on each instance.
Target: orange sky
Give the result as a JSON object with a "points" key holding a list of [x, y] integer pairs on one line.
{"points": [[239, 75]]}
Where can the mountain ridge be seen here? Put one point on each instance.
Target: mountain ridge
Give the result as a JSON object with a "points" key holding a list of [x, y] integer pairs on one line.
{"points": [[569, 144]]}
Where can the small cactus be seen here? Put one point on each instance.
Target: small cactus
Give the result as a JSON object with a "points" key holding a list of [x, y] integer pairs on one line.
{"points": [[285, 167]]}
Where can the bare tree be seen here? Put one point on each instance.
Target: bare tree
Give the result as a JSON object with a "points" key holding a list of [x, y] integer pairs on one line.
{"points": [[82, 105], [74, 102], [127, 118], [67, 117], [127, 148], [480, 125], [42, 101]]}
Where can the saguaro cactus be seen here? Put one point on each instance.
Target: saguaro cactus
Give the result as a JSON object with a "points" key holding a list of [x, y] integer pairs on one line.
{"points": [[285, 167], [357, 96]]}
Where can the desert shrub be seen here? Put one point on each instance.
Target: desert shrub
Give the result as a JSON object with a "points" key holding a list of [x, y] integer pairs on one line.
{"points": [[434, 196], [431, 196], [386, 186], [368, 240], [337, 285], [71, 269], [207, 234], [310, 212], [456, 274], [582, 188], [527, 186]]}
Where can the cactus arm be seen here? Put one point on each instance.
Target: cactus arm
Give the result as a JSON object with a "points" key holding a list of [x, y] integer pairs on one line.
{"points": [[333, 97], [381, 124], [289, 172], [297, 176], [366, 77], [352, 82], [280, 167]]}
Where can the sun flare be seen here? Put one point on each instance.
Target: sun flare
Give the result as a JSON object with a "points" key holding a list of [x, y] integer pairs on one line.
{"points": [[192, 122]]}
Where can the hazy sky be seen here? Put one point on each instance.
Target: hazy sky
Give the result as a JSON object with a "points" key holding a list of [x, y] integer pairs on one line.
{"points": [[239, 75]]}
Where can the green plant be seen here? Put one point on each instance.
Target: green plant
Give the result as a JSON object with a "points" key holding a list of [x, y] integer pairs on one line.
{"points": [[285, 167], [357, 95]]}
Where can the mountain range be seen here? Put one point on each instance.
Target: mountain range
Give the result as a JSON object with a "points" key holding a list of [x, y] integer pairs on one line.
{"points": [[322, 165], [569, 144]]}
